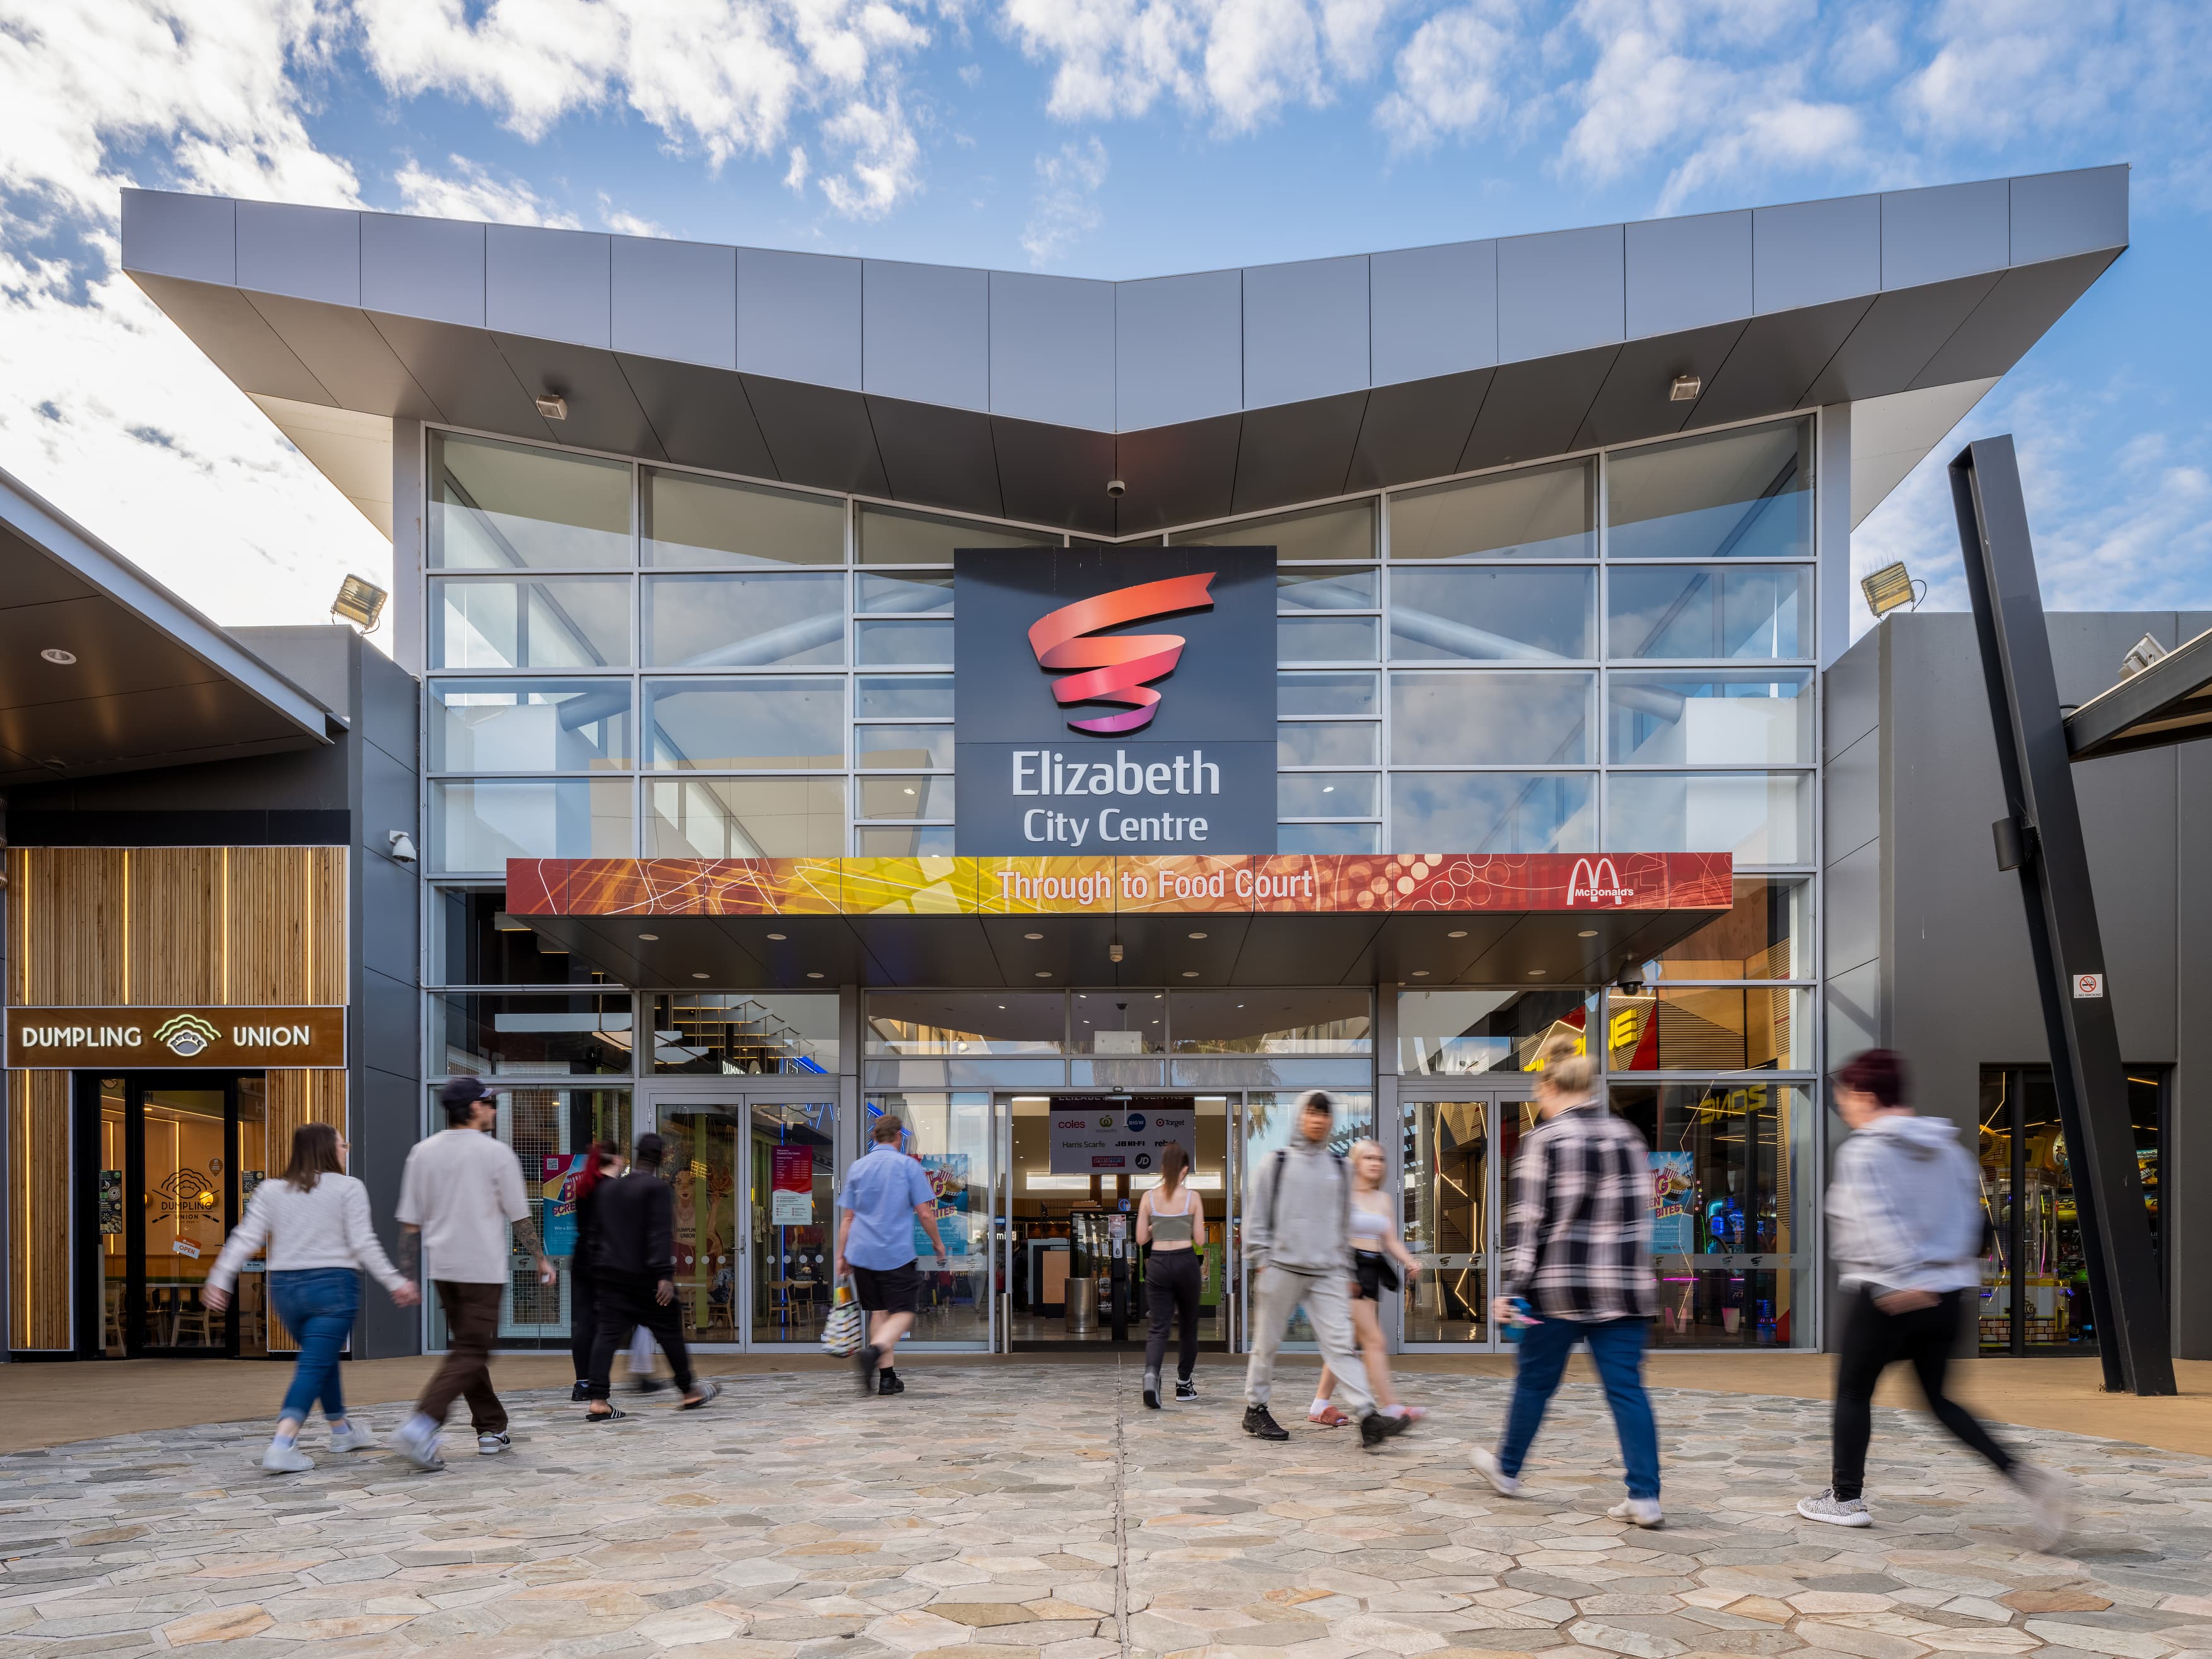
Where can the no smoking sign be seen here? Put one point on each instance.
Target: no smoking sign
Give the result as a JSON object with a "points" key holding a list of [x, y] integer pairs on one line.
{"points": [[2088, 985]]}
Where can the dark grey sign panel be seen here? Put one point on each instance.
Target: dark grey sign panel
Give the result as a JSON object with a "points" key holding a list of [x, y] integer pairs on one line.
{"points": [[1114, 701]]}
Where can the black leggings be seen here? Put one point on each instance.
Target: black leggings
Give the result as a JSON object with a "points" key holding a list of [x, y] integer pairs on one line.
{"points": [[583, 1320], [1171, 1285], [1875, 1340], [626, 1302]]}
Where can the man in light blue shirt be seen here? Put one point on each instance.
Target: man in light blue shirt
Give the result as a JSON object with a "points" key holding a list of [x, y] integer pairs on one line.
{"points": [[885, 1194]]}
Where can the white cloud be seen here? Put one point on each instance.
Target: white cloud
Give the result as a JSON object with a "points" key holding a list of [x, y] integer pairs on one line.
{"points": [[623, 222], [794, 176], [1448, 77], [1066, 208], [470, 190], [882, 165]]}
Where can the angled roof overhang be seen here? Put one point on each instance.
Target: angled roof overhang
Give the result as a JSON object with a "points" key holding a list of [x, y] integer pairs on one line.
{"points": [[147, 681], [2168, 702], [1018, 396]]}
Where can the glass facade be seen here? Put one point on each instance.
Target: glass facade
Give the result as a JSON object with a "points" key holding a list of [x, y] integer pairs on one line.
{"points": [[1612, 652]]}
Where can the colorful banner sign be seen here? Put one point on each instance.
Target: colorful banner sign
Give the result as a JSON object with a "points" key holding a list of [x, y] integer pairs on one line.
{"points": [[558, 1184], [171, 1039], [1096, 1135], [948, 1181], [791, 1186], [1674, 1194], [1272, 884]]}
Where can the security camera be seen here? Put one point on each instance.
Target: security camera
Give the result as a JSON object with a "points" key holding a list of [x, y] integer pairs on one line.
{"points": [[403, 847], [1629, 986], [1117, 488]]}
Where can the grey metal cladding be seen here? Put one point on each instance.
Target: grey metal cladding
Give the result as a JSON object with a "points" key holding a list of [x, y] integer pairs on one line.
{"points": [[1636, 398], [603, 411], [341, 349], [550, 284], [1896, 338], [1294, 453], [1434, 312], [799, 317], [1947, 230], [1178, 351], [1559, 292], [1176, 474], [702, 416], [937, 457], [1305, 331], [818, 436], [675, 300], [167, 235], [1052, 350], [2055, 214], [1809, 253], [926, 334], [433, 269], [224, 323], [1054, 474], [308, 252], [1776, 359], [1416, 429], [1688, 273], [2017, 312]]}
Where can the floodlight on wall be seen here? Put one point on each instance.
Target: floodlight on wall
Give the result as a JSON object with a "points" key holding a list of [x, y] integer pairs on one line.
{"points": [[360, 601], [1685, 388], [553, 407], [1890, 586]]}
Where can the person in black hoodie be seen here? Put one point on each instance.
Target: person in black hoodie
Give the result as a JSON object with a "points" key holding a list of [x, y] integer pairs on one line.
{"points": [[634, 1262], [602, 1164]]}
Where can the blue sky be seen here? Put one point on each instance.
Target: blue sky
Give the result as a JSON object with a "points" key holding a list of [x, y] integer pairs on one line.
{"points": [[1092, 137]]}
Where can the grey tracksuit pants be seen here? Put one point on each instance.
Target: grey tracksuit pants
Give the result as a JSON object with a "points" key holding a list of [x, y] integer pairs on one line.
{"points": [[1276, 1293]]}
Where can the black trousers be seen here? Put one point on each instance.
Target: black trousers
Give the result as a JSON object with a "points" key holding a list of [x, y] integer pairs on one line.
{"points": [[583, 1320], [1171, 1285], [626, 1302], [1874, 1342]]}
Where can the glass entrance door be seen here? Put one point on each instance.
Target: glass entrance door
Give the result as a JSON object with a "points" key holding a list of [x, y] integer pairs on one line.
{"points": [[179, 1194], [1455, 1152]]}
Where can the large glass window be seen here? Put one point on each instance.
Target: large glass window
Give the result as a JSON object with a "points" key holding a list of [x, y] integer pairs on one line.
{"points": [[724, 724], [511, 506], [1319, 839], [479, 824], [878, 642], [1763, 817], [1328, 795], [1325, 639], [1768, 934], [1725, 495], [1351, 693], [484, 623], [889, 536], [1732, 1232], [1456, 1033], [1499, 718], [1302, 587], [1492, 812], [542, 1035], [909, 593], [748, 1033], [950, 1136], [1267, 1021], [918, 796], [746, 817], [1343, 532], [529, 725], [783, 618], [1757, 718], [905, 1025], [474, 941], [1689, 612], [1542, 513], [904, 840], [1477, 615], [902, 696], [692, 521], [1118, 1022], [897, 748], [1709, 1028], [1329, 743]]}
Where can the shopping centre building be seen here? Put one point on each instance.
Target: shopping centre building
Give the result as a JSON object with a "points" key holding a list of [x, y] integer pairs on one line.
{"points": [[1073, 716]]}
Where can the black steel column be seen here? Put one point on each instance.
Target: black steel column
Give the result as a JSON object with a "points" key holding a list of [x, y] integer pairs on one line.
{"points": [[2125, 1296]]}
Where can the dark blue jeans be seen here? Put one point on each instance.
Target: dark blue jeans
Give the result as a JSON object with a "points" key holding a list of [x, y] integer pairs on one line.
{"points": [[1616, 1348], [317, 1306]]}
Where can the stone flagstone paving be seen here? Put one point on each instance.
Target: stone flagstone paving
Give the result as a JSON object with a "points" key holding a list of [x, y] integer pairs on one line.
{"points": [[1039, 1512]]}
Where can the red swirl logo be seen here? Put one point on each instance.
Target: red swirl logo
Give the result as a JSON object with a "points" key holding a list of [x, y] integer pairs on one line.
{"points": [[1115, 668]]}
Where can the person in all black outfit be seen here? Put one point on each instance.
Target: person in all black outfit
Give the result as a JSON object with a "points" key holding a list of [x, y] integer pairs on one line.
{"points": [[634, 1226], [602, 1165]]}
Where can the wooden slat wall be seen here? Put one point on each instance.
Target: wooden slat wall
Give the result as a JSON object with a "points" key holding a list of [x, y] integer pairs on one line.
{"points": [[38, 1209], [110, 926]]}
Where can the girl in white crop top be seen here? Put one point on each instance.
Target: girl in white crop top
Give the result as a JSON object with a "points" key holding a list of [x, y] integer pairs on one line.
{"points": [[1375, 1242]]}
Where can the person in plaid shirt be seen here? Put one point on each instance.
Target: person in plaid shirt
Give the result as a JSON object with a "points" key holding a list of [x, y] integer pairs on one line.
{"points": [[1578, 1250]]}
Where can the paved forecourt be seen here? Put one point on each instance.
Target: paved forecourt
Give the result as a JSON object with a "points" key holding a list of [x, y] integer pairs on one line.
{"points": [[1041, 1511]]}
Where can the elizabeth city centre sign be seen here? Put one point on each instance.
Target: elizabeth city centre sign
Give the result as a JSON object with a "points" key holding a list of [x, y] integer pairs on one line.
{"points": [[1114, 700]]}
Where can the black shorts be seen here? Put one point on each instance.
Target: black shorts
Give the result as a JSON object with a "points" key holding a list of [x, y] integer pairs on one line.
{"points": [[887, 1290], [1367, 1267]]}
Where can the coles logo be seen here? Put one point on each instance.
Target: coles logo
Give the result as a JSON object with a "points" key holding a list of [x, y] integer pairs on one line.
{"points": [[1115, 668], [1597, 882]]}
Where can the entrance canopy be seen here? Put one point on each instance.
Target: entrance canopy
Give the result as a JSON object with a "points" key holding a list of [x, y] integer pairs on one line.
{"points": [[1274, 919]]}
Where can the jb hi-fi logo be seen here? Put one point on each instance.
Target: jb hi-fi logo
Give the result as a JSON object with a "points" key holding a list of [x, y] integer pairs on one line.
{"points": [[1115, 669], [1597, 882]]}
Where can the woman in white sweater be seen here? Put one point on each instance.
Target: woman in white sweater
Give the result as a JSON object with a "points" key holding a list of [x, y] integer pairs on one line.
{"points": [[314, 1219]]}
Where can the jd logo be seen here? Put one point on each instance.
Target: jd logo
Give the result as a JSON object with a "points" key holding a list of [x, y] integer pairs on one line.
{"points": [[186, 1034], [1117, 666]]}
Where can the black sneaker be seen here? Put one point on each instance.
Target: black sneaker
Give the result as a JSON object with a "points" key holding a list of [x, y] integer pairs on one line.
{"points": [[1185, 1388], [580, 1394], [1257, 1421], [647, 1385], [887, 1381], [1375, 1428], [866, 1362], [1152, 1389]]}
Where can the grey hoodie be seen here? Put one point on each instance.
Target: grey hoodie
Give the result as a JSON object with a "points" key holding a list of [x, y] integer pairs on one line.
{"points": [[1905, 1207], [1296, 1220]]}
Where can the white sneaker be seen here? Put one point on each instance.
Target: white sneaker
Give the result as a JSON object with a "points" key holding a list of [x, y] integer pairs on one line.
{"points": [[1836, 1511], [417, 1447], [355, 1436], [491, 1445], [280, 1459], [1638, 1511], [1485, 1465], [2047, 1494]]}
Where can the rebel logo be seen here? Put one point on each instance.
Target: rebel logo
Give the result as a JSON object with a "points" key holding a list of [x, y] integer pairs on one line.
{"points": [[1116, 668]]}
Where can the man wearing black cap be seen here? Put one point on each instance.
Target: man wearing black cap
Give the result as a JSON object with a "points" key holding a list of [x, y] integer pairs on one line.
{"points": [[461, 1192]]}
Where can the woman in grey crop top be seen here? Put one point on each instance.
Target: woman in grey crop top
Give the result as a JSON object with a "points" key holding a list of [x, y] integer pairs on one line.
{"points": [[1171, 1219]]}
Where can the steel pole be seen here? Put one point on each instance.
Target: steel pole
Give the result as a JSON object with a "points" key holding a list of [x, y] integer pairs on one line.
{"points": [[2125, 1296]]}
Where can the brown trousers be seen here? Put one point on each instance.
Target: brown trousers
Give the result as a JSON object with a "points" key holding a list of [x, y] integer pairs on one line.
{"points": [[471, 1324]]}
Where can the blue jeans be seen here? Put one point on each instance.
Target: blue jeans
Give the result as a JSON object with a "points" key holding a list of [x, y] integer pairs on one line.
{"points": [[317, 1306], [1616, 1348]]}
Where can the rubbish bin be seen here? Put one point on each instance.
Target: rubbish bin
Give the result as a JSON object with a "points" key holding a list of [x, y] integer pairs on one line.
{"points": [[1082, 1305]]}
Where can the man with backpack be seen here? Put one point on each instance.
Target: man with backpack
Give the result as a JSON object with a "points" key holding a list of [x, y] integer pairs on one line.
{"points": [[1296, 1244]]}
